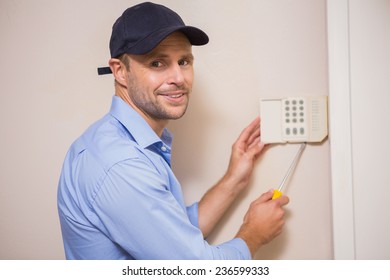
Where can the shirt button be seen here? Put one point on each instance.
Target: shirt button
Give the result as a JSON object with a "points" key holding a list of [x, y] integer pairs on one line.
{"points": [[163, 148]]}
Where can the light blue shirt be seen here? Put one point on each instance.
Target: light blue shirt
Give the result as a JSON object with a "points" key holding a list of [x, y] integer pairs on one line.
{"points": [[119, 199]]}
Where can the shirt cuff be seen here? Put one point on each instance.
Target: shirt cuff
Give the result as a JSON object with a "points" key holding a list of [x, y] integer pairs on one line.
{"points": [[233, 247], [241, 246]]}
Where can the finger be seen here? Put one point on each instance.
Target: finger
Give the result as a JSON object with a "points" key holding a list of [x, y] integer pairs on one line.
{"points": [[255, 147], [266, 196], [248, 131], [255, 143], [282, 200], [255, 134]]}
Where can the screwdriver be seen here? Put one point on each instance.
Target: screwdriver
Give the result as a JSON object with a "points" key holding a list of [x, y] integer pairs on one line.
{"points": [[278, 192]]}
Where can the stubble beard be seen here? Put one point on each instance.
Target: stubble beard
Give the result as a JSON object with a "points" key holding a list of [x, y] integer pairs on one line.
{"points": [[154, 108]]}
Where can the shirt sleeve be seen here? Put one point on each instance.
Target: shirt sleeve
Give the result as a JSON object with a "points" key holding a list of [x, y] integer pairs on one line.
{"points": [[135, 209], [192, 212]]}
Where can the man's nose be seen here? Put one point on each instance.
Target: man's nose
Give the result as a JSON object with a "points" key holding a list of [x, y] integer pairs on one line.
{"points": [[176, 75]]}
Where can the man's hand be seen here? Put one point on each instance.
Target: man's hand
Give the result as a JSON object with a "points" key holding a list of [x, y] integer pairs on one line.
{"points": [[217, 200], [245, 151], [263, 221]]}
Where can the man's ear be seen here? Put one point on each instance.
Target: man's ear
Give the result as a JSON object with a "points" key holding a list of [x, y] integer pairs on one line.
{"points": [[118, 69]]}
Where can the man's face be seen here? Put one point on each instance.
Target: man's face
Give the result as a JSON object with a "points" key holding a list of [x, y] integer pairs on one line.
{"points": [[160, 82]]}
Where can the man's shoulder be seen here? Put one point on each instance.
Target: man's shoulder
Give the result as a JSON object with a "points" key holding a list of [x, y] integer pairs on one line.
{"points": [[107, 142]]}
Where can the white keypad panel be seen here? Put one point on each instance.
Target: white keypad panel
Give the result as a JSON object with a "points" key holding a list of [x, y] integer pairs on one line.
{"points": [[294, 119]]}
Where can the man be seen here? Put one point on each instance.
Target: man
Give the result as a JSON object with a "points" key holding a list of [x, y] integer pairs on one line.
{"points": [[118, 197]]}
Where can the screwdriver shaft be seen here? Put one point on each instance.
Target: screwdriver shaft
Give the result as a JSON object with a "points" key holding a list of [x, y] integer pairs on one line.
{"points": [[292, 166]]}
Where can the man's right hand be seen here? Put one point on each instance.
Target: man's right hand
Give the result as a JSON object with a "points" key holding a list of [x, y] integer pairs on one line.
{"points": [[263, 221]]}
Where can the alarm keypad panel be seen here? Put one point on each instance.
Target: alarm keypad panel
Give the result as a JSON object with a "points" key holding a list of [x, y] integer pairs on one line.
{"points": [[294, 119]]}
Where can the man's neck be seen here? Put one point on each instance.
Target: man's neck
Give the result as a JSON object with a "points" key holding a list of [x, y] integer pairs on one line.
{"points": [[157, 126]]}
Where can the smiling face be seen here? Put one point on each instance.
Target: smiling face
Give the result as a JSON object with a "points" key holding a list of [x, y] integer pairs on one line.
{"points": [[158, 84]]}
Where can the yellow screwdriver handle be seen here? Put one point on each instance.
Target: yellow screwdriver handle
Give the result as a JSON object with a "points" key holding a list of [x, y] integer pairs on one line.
{"points": [[277, 194]]}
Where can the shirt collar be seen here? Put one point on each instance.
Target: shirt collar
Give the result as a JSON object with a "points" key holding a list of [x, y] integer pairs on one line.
{"points": [[137, 126]]}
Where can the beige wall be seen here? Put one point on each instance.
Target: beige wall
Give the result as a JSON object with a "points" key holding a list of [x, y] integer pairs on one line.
{"points": [[50, 93]]}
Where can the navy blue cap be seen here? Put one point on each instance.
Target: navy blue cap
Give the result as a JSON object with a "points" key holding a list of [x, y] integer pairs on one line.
{"points": [[142, 27]]}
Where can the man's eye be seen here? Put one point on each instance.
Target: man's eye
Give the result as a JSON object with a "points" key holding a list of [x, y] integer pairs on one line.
{"points": [[183, 62], [156, 64]]}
